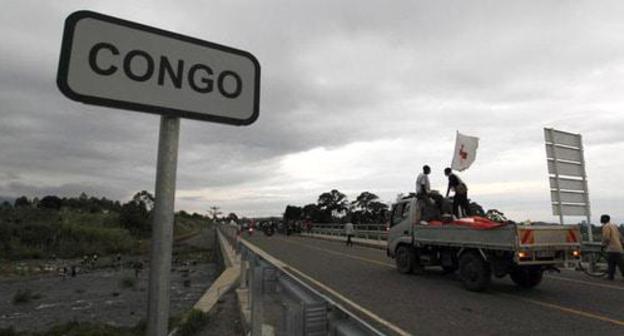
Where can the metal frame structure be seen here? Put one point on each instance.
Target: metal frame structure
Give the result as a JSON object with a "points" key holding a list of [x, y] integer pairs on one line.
{"points": [[573, 167]]}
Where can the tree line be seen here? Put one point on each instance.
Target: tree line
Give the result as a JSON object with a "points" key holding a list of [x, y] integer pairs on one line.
{"points": [[71, 226], [133, 215], [333, 206]]}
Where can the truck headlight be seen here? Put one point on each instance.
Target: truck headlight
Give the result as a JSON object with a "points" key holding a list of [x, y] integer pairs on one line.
{"points": [[576, 253]]}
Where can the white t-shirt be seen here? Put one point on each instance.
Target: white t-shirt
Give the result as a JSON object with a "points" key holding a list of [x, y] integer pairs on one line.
{"points": [[423, 179], [349, 228]]}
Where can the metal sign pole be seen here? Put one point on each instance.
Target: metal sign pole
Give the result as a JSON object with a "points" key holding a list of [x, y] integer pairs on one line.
{"points": [[162, 228], [590, 233]]}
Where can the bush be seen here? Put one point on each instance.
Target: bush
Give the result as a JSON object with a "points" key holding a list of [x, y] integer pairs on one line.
{"points": [[24, 296], [194, 323]]}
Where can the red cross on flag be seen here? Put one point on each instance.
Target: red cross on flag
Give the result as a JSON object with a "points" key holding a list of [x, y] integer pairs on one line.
{"points": [[465, 152]]}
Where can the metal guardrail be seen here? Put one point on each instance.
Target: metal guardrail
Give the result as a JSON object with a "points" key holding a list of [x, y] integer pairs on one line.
{"points": [[303, 309], [365, 231]]}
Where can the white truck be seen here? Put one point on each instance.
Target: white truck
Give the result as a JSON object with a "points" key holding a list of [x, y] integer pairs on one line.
{"points": [[522, 251]]}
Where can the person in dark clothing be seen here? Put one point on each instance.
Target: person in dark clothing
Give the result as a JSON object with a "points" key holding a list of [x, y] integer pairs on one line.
{"points": [[460, 198]]}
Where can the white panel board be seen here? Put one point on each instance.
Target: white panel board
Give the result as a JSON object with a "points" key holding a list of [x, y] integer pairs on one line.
{"points": [[562, 138], [565, 168], [570, 210], [567, 184], [568, 197], [563, 153]]}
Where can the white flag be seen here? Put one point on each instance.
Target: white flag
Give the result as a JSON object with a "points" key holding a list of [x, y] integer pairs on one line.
{"points": [[465, 152]]}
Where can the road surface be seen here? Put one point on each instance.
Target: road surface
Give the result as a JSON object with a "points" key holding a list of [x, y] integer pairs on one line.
{"points": [[568, 303]]}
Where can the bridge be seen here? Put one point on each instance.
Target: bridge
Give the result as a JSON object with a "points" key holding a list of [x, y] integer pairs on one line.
{"points": [[363, 283]]}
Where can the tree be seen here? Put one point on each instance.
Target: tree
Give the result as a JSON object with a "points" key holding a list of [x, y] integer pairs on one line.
{"points": [[214, 212], [144, 199], [312, 212], [50, 202], [292, 212], [333, 202], [363, 208], [135, 215], [379, 211], [135, 218], [363, 201], [21, 202], [232, 217]]}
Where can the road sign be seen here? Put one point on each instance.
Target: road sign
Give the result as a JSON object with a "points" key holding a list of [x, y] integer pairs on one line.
{"points": [[113, 62], [117, 63], [568, 179]]}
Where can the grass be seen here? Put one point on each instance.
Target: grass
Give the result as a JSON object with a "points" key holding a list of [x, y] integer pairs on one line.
{"points": [[194, 323], [81, 329]]}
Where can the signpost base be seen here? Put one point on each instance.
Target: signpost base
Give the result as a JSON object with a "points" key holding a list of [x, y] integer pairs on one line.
{"points": [[162, 228]]}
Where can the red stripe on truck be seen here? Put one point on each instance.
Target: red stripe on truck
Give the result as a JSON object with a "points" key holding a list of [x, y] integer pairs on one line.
{"points": [[571, 237], [527, 237]]}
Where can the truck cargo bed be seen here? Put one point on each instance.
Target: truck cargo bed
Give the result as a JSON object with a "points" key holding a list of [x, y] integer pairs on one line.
{"points": [[506, 237]]}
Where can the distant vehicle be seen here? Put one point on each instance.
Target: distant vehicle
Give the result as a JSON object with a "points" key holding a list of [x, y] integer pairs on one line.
{"points": [[522, 251]]}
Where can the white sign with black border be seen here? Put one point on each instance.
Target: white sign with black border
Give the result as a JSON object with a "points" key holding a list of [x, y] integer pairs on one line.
{"points": [[112, 62]]}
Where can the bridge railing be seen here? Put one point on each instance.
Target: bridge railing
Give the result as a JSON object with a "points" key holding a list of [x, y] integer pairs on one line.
{"points": [[365, 231], [279, 292]]}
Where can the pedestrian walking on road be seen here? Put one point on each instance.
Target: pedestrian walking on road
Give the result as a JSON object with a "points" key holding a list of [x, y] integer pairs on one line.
{"points": [[612, 241], [349, 231], [460, 198]]}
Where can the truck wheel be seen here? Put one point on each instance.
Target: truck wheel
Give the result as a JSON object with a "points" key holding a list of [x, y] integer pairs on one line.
{"points": [[474, 272], [404, 258], [527, 276]]}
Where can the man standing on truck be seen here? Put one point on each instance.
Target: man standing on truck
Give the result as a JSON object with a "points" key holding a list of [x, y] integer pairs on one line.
{"points": [[460, 198], [612, 240], [423, 187]]}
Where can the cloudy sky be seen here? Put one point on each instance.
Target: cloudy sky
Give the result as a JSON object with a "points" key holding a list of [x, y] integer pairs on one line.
{"points": [[356, 95]]}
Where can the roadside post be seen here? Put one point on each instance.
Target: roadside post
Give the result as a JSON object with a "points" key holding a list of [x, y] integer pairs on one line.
{"points": [[111, 62]]}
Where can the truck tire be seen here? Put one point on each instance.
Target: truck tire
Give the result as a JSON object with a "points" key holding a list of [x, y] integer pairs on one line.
{"points": [[474, 272], [527, 276], [404, 258]]}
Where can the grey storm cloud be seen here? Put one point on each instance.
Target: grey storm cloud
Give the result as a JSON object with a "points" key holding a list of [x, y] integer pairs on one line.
{"points": [[334, 74]]}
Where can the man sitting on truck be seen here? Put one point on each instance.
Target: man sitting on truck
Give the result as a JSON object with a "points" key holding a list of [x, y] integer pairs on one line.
{"points": [[460, 198]]}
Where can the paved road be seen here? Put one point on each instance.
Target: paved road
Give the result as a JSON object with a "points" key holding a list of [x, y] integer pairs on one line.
{"points": [[568, 303]]}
